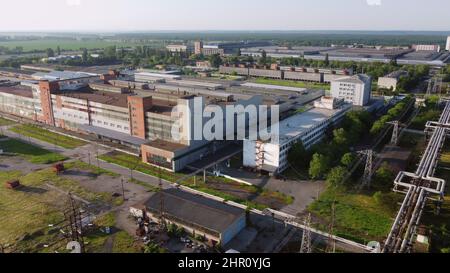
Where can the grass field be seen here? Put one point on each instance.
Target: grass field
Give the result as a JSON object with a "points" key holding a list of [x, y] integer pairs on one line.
{"points": [[63, 44], [26, 213], [227, 189], [31, 153], [47, 136], [293, 83], [121, 242], [80, 165], [6, 122], [357, 216]]}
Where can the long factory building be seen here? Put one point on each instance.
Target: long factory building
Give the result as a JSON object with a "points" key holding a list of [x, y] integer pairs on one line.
{"points": [[287, 73], [142, 119]]}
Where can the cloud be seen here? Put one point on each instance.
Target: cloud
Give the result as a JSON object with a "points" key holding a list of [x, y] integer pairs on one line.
{"points": [[73, 3], [374, 2]]}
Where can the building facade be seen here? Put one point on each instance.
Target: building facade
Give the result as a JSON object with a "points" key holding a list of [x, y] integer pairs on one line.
{"points": [[447, 47], [308, 127], [355, 89]]}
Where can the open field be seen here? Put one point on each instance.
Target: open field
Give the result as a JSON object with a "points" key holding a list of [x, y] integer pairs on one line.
{"points": [[227, 189], [29, 213], [298, 84], [357, 215], [31, 153], [118, 241], [64, 44], [47, 136], [26, 211]]}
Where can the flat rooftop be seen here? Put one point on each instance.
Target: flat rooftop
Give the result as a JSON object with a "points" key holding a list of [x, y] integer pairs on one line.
{"points": [[166, 145], [195, 210], [18, 90], [300, 123], [104, 97], [276, 87]]}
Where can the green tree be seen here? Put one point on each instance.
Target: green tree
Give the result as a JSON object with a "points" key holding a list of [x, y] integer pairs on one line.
{"points": [[298, 156], [347, 159], [336, 177], [340, 137], [215, 60], [85, 55], [319, 165], [263, 59], [327, 60], [50, 52], [384, 177], [58, 50]]}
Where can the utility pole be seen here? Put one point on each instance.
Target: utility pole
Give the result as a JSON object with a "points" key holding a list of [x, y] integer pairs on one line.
{"points": [[306, 238], [123, 190], [395, 132], [73, 215], [331, 245], [368, 171]]}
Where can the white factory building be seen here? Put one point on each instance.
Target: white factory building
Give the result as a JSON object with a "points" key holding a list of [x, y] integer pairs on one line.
{"points": [[308, 127], [447, 47], [354, 89]]}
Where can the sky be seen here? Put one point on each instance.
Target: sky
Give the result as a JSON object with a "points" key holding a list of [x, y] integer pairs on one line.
{"points": [[190, 15]]}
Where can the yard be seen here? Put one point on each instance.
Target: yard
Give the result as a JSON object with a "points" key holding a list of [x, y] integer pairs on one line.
{"points": [[31, 153], [227, 189], [26, 213], [30, 215], [118, 241], [47, 136]]}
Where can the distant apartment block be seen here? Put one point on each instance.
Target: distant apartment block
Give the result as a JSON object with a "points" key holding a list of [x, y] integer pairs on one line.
{"points": [[435, 48], [177, 48], [447, 47], [353, 89], [390, 81]]}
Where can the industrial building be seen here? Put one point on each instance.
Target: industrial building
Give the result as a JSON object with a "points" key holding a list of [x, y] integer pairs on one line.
{"points": [[308, 127], [142, 119], [390, 81], [357, 53], [354, 89], [225, 48], [215, 221], [447, 47], [435, 48], [287, 73], [177, 48]]}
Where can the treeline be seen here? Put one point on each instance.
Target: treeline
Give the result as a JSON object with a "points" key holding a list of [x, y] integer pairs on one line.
{"points": [[391, 115]]}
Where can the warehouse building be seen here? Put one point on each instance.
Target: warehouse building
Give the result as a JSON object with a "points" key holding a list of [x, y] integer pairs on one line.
{"points": [[390, 81], [215, 221], [145, 120], [287, 73], [355, 89], [308, 127]]}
